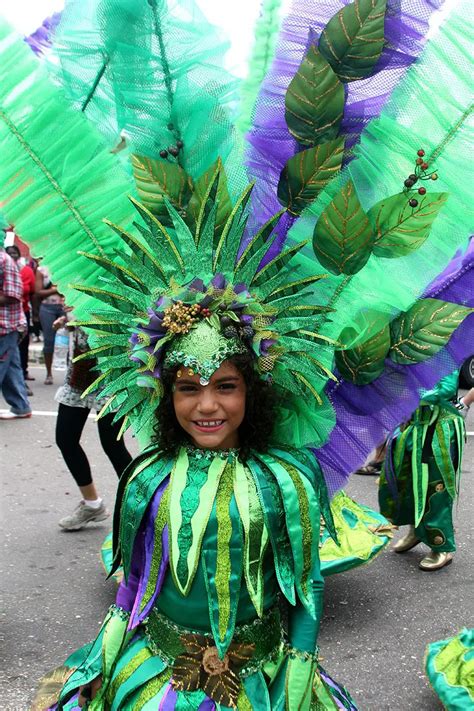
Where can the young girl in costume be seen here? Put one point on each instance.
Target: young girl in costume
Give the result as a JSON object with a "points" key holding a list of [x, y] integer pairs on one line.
{"points": [[221, 597], [218, 530]]}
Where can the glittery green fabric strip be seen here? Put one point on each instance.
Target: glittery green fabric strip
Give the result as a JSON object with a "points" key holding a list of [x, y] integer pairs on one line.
{"points": [[223, 562], [160, 522], [151, 689]]}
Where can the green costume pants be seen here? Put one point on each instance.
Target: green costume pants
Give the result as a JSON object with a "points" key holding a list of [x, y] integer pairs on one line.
{"points": [[420, 477], [436, 526]]}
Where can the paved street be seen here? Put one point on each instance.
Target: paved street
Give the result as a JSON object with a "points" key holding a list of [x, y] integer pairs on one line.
{"points": [[378, 619]]}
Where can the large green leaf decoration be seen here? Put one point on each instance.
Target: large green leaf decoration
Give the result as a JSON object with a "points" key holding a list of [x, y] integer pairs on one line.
{"points": [[353, 39], [343, 237], [424, 329], [200, 192], [314, 101], [157, 180], [401, 229], [307, 173], [365, 362]]}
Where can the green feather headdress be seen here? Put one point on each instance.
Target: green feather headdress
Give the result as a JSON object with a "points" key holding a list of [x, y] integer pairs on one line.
{"points": [[197, 298]]}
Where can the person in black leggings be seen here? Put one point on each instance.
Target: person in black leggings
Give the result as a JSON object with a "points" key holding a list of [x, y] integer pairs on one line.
{"points": [[73, 412], [69, 426]]}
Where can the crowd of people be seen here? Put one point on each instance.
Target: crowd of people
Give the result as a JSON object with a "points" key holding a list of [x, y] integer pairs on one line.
{"points": [[30, 304]]}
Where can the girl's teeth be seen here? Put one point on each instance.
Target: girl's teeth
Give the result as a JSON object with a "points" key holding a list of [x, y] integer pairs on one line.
{"points": [[213, 423]]}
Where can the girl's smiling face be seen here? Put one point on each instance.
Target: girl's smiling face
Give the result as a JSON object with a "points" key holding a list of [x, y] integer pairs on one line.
{"points": [[211, 414]]}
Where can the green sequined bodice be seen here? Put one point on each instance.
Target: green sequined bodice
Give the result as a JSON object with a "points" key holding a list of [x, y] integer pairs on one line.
{"points": [[236, 534]]}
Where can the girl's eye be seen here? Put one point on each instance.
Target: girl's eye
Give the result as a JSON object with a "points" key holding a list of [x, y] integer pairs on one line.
{"points": [[227, 386], [186, 389]]}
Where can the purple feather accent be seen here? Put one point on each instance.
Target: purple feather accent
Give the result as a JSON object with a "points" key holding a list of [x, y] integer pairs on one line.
{"points": [[197, 285], [241, 288], [219, 281], [265, 345], [366, 414], [270, 143], [41, 39], [136, 616], [247, 319]]}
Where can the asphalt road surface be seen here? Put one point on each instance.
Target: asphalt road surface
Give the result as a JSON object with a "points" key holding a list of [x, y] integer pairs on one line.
{"points": [[378, 619]]}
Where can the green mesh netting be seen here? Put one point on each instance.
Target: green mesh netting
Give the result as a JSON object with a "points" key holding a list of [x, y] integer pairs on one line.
{"points": [[154, 70], [265, 36]]}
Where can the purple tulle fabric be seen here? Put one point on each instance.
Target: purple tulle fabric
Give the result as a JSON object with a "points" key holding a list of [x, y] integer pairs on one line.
{"points": [[271, 144], [366, 414], [41, 39]]}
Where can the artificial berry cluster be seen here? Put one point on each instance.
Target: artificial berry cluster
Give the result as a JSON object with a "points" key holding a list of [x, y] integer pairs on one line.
{"points": [[180, 317], [421, 173], [236, 329], [172, 150]]}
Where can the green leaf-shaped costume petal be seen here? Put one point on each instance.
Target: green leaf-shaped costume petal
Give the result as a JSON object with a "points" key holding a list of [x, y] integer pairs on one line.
{"points": [[353, 39], [343, 237], [314, 101], [365, 362], [399, 228], [307, 173], [159, 179], [420, 332]]}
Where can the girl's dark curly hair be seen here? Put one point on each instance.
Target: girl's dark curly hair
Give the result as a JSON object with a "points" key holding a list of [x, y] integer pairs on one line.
{"points": [[256, 429]]}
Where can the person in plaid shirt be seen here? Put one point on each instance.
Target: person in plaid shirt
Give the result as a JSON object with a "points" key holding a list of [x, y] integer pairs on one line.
{"points": [[12, 325]]}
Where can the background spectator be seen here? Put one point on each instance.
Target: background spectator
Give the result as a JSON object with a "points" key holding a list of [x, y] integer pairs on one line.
{"points": [[51, 308], [12, 325], [28, 280]]}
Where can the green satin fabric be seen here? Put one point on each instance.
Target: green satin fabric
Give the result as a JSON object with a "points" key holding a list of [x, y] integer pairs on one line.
{"points": [[193, 611], [450, 669], [237, 536], [444, 391]]}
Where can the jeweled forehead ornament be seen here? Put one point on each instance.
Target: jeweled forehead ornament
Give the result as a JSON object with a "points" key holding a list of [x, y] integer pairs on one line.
{"points": [[203, 349]]}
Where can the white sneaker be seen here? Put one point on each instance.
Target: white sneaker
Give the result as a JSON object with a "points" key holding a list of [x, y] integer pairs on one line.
{"points": [[9, 415], [82, 515]]}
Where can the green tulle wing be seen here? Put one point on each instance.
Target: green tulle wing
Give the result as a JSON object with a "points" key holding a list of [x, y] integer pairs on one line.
{"points": [[56, 196], [152, 69]]}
